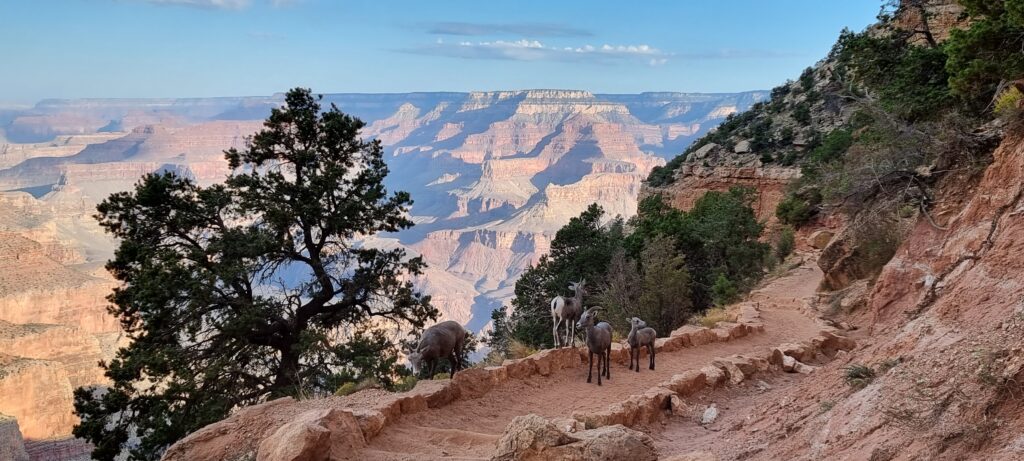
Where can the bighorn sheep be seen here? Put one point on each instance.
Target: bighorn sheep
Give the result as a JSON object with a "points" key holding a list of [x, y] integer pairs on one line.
{"points": [[640, 335], [599, 341], [568, 310], [444, 340]]}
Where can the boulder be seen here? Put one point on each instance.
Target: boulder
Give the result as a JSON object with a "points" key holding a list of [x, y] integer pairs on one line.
{"points": [[520, 368], [710, 415], [713, 376], [733, 372], [736, 330], [296, 441], [742, 147], [696, 335], [316, 435], [803, 368], [797, 351], [371, 422], [474, 382], [551, 360], [820, 239], [687, 382], [671, 343], [704, 150], [534, 438], [679, 407], [721, 334], [528, 437], [436, 392], [788, 364], [829, 343]]}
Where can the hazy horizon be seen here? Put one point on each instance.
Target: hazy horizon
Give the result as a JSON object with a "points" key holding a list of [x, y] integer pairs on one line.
{"points": [[137, 49]]}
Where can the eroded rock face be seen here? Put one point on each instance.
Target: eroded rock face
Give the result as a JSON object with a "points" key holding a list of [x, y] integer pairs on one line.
{"points": [[12, 447], [39, 394], [694, 180]]}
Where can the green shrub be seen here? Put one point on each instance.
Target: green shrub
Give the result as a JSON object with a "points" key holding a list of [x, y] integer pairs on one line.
{"points": [[858, 376], [442, 376], [802, 113], [1008, 104], [724, 291], [909, 81], [797, 209], [785, 243], [807, 79], [404, 384], [767, 158], [833, 146]]}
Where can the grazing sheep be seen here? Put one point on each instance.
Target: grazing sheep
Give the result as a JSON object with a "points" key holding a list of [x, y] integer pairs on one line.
{"points": [[444, 340], [568, 310], [599, 341], [640, 335]]}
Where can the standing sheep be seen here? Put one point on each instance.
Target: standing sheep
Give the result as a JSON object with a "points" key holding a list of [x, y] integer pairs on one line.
{"points": [[568, 310], [640, 335], [599, 341], [444, 340]]}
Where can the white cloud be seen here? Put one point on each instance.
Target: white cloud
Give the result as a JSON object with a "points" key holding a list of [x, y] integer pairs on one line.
{"points": [[535, 50]]}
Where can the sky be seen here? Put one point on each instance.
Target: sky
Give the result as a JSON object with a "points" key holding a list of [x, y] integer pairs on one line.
{"points": [[206, 48]]}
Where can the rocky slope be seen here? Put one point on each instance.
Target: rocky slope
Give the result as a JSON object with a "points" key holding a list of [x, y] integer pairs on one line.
{"points": [[493, 175]]}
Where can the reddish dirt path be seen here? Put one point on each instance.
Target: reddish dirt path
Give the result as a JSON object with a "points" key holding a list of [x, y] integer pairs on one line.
{"points": [[468, 429]]}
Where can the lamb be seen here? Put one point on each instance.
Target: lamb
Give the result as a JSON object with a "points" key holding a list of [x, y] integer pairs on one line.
{"points": [[640, 335], [599, 341], [568, 310], [444, 340]]}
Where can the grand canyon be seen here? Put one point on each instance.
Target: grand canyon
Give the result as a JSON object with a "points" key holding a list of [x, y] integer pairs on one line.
{"points": [[830, 268], [493, 175]]}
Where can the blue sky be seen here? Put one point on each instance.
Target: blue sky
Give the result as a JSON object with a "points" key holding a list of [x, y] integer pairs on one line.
{"points": [[201, 48]]}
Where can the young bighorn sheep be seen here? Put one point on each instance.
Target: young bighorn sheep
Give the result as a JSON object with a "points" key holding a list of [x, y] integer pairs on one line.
{"points": [[599, 341], [568, 310], [640, 335], [444, 340]]}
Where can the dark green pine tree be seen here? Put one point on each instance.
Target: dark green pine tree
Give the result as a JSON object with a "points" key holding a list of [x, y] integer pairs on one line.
{"points": [[582, 249], [255, 288]]}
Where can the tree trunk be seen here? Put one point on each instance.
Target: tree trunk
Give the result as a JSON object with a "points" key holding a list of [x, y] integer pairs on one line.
{"points": [[286, 383]]}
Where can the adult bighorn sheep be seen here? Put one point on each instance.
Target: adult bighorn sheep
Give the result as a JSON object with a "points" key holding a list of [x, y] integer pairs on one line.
{"points": [[444, 340], [568, 310], [640, 335], [599, 341]]}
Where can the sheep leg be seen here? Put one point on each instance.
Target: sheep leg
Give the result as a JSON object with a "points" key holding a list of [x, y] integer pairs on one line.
{"points": [[456, 366], [590, 368], [650, 351], [558, 322], [571, 339], [600, 363], [607, 363], [634, 354]]}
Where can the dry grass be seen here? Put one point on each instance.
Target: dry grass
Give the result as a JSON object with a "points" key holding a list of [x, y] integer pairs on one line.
{"points": [[712, 316]]}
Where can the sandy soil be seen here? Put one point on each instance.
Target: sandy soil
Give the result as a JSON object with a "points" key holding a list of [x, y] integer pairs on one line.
{"points": [[468, 429]]}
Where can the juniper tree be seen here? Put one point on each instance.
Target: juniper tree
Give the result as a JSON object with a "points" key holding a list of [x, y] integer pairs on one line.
{"points": [[235, 293]]}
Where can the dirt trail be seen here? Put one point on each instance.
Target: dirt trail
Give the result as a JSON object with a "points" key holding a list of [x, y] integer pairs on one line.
{"points": [[468, 429]]}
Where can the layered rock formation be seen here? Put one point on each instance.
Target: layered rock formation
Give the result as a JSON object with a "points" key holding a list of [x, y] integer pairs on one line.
{"points": [[12, 447]]}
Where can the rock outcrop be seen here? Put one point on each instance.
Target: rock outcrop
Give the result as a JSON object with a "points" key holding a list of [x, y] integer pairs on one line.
{"points": [[12, 447]]}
